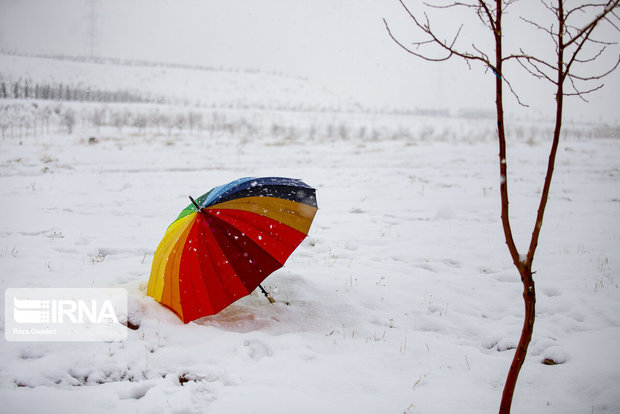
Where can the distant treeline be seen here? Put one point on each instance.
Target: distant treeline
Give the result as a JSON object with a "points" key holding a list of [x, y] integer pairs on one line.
{"points": [[27, 89], [22, 118], [23, 89]]}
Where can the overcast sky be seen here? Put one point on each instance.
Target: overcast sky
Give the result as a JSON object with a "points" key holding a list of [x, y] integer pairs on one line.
{"points": [[342, 44]]}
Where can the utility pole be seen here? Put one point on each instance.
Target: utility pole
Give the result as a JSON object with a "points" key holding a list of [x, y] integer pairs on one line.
{"points": [[91, 31]]}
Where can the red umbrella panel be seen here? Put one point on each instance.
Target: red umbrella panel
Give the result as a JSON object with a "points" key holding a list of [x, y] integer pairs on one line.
{"points": [[224, 244]]}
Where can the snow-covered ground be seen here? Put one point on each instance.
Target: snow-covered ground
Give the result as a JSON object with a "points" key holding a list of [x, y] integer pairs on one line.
{"points": [[213, 87], [402, 299]]}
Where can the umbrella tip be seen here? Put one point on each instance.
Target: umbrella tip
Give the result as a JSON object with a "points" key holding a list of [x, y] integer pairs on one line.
{"points": [[194, 202]]}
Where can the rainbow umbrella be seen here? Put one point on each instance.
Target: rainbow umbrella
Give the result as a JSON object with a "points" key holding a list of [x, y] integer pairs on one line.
{"points": [[223, 245]]}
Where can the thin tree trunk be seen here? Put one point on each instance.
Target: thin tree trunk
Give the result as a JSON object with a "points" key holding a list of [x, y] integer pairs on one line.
{"points": [[529, 293], [525, 265], [529, 298], [539, 68], [503, 166]]}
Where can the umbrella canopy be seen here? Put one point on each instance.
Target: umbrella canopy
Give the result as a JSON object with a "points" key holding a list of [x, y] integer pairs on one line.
{"points": [[224, 244]]}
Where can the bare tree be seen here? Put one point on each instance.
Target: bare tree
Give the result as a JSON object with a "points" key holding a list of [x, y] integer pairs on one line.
{"points": [[97, 117], [572, 35], [140, 122], [68, 120], [120, 119], [4, 120], [194, 120]]}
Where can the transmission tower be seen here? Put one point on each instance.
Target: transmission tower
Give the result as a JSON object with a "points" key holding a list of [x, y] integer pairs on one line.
{"points": [[92, 18]]}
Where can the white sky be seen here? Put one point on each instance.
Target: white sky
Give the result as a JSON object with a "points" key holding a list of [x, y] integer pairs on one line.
{"points": [[339, 43]]}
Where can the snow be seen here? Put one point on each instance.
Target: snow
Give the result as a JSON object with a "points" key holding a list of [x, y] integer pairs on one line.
{"points": [[342, 44], [208, 86], [402, 299]]}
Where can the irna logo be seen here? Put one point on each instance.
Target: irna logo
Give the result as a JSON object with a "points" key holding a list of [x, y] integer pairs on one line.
{"points": [[63, 310], [53, 314]]}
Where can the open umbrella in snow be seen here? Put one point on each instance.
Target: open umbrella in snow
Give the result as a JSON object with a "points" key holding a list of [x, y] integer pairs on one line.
{"points": [[223, 245]]}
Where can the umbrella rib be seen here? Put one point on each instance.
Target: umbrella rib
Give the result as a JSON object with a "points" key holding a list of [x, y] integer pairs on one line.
{"points": [[235, 264], [230, 294], [275, 236]]}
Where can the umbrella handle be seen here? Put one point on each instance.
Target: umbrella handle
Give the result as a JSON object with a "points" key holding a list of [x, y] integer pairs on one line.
{"points": [[267, 295]]}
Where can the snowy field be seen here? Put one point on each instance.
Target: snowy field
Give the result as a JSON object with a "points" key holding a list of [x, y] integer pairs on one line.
{"points": [[402, 299]]}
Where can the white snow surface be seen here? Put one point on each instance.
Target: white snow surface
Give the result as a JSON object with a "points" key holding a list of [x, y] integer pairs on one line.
{"points": [[213, 87], [402, 299]]}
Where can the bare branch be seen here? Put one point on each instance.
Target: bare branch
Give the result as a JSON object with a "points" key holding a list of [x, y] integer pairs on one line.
{"points": [[600, 42], [582, 8], [449, 48], [406, 49], [484, 55], [449, 6], [593, 58], [456, 36], [581, 93], [572, 81], [539, 27], [595, 77], [508, 3], [549, 7], [590, 26], [514, 93], [612, 24], [535, 71], [486, 18], [529, 58], [580, 45], [549, 31], [492, 21]]}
